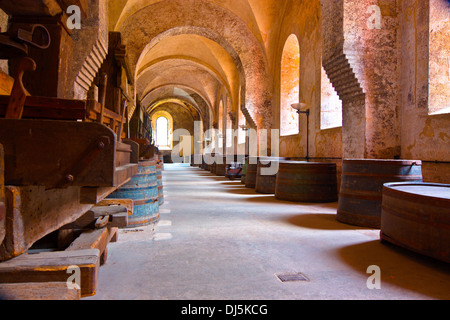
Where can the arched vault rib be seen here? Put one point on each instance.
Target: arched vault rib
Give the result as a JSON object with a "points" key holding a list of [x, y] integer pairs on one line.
{"points": [[221, 26], [148, 76], [175, 91]]}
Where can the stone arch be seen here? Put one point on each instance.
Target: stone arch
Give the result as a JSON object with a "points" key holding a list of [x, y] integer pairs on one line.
{"points": [[220, 22]]}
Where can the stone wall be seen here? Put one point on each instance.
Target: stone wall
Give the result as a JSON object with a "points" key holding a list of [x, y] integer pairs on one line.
{"points": [[423, 136]]}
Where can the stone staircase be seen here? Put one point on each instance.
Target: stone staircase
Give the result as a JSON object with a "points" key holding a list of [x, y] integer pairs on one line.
{"points": [[343, 78]]}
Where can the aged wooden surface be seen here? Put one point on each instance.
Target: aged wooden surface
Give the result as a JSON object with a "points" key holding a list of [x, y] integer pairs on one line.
{"points": [[53, 267], [314, 182], [38, 291], [94, 239], [34, 212], [362, 185], [127, 203], [2, 197], [18, 95], [416, 216], [51, 78], [48, 108], [117, 217], [37, 153]]}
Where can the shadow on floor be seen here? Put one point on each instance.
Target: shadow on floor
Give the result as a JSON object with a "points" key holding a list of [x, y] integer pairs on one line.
{"points": [[321, 221], [400, 267]]}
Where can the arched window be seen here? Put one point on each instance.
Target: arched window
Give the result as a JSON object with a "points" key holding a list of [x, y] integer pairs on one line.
{"points": [[290, 86], [162, 125], [162, 132]]}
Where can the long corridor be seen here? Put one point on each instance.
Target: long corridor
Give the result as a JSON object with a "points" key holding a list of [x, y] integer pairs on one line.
{"points": [[217, 240]]}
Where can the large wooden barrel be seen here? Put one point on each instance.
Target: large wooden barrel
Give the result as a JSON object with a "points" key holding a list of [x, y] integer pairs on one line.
{"points": [[221, 166], [251, 172], [416, 216], [314, 182], [159, 169], [244, 171], [143, 190], [362, 186], [266, 183]]}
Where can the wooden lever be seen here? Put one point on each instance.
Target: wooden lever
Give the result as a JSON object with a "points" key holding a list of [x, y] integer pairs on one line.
{"points": [[19, 93]]}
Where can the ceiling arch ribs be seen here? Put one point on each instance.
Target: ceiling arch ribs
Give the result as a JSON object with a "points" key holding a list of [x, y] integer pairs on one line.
{"points": [[196, 99], [223, 27]]}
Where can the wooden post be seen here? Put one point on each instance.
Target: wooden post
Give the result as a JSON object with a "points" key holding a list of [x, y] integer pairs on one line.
{"points": [[2, 196], [19, 93]]}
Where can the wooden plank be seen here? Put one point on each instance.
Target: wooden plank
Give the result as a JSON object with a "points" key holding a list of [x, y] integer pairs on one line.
{"points": [[87, 220], [2, 197], [93, 239], [34, 212], [38, 291], [14, 109], [127, 203], [31, 7], [48, 108], [37, 153], [53, 267]]}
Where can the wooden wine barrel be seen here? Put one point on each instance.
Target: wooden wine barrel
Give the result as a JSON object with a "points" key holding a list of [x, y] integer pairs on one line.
{"points": [[362, 186], [244, 172], [143, 190], [416, 216], [221, 166], [266, 183], [159, 169], [314, 182], [251, 172]]}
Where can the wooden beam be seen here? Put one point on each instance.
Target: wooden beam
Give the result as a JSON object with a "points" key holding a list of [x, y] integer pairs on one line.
{"points": [[34, 212], [48, 108], [117, 218], [127, 203], [53, 267], [37, 153], [2, 196], [38, 291], [93, 239]]}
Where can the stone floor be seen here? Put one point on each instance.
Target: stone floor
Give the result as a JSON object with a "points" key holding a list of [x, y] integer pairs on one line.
{"points": [[217, 240]]}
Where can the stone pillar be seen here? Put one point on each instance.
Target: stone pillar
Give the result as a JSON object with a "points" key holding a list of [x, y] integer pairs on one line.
{"points": [[344, 80], [371, 30]]}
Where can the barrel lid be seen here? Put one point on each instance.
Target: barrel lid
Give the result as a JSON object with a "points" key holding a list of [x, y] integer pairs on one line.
{"points": [[433, 190], [386, 161]]}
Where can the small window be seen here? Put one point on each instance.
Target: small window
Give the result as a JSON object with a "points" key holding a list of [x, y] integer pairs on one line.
{"points": [[162, 125], [162, 132], [330, 105]]}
